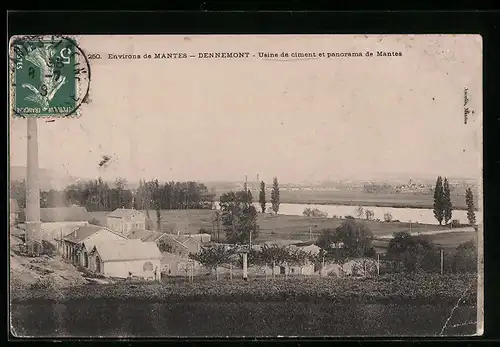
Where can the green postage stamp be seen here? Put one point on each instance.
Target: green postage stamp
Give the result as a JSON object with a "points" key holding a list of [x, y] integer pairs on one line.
{"points": [[50, 76]]}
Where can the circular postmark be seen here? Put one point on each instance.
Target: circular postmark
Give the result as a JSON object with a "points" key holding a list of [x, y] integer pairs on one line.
{"points": [[49, 76]]}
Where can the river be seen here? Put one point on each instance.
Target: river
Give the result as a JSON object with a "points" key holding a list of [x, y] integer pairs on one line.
{"points": [[107, 318], [416, 215]]}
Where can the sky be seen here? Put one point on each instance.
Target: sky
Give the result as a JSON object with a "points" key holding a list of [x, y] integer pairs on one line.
{"points": [[298, 119]]}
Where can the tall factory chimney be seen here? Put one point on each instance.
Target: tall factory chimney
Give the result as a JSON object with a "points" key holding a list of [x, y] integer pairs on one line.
{"points": [[33, 224], [258, 181]]}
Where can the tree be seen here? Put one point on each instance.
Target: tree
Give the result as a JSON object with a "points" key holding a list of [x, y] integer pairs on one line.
{"points": [[262, 196], [447, 205], [164, 246], [239, 217], [275, 196], [388, 217], [360, 212], [438, 201], [298, 257], [213, 256], [465, 257], [157, 202], [414, 253], [369, 214], [351, 239], [469, 200], [274, 255], [18, 192], [216, 224], [314, 213], [121, 184]]}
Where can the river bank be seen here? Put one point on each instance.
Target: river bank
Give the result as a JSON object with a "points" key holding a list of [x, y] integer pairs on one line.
{"points": [[393, 288]]}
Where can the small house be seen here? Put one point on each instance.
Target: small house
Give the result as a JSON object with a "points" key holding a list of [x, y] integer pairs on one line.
{"points": [[126, 258], [76, 246], [145, 235], [182, 245], [124, 220], [201, 238], [175, 265]]}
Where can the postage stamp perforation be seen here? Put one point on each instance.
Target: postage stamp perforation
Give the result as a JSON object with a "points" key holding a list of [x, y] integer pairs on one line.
{"points": [[49, 76]]}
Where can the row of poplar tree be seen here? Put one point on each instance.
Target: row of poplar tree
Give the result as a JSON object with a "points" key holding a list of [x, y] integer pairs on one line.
{"points": [[443, 207]]}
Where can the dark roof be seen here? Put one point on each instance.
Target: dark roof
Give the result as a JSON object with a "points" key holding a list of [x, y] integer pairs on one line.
{"points": [[144, 235], [82, 233], [123, 212], [64, 214], [14, 206]]}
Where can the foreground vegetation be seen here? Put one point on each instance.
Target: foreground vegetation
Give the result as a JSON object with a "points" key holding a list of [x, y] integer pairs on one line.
{"points": [[394, 288]]}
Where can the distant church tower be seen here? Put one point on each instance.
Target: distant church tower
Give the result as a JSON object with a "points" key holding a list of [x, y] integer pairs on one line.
{"points": [[33, 236]]}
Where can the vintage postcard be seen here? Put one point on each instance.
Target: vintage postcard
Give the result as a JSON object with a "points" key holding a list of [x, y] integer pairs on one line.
{"points": [[246, 185]]}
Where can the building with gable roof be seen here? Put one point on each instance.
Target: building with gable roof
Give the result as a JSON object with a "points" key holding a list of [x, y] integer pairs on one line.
{"points": [[124, 220], [182, 245], [145, 235], [76, 246], [126, 258]]}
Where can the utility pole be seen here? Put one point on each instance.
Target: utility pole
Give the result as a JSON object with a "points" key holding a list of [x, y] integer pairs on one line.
{"points": [[442, 256], [33, 223], [245, 267], [378, 264], [249, 202]]}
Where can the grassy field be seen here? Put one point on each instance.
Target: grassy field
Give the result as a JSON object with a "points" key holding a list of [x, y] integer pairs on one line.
{"points": [[281, 227], [272, 227], [358, 197], [447, 241]]}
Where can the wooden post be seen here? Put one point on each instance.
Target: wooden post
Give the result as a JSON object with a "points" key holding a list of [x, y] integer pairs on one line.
{"points": [[364, 267], [286, 272], [442, 254], [231, 271], [274, 267], [265, 271], [245, 267], [378, 264], [192, 271], [310, 233], [217, 273]]}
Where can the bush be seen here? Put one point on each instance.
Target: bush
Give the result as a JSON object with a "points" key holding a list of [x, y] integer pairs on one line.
{"points": [[95, 221], [387, 217], [48, 248], [464, 258], [413, 253], [42, 284], [314, 213], [164, 246]]}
